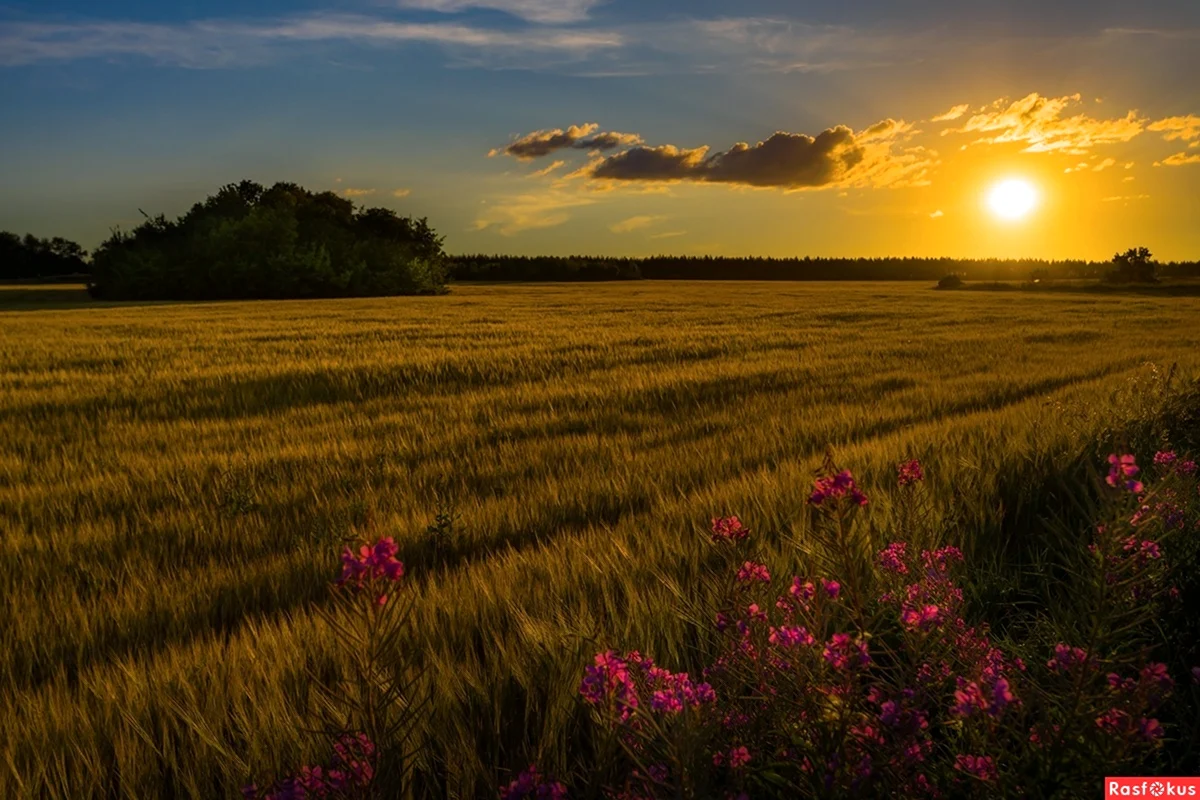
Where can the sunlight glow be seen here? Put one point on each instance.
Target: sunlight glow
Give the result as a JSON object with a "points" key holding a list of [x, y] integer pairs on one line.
{"points": [[1012, 199]]}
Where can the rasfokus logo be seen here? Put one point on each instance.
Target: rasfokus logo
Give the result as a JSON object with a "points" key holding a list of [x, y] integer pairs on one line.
{"points": [[1151, 787]]}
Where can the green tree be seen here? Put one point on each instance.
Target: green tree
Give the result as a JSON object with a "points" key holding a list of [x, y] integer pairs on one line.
{"points": [[1135, 265]]}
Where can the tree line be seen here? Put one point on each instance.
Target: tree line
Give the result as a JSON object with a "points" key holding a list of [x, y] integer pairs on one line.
{"points": [[592, 268]]}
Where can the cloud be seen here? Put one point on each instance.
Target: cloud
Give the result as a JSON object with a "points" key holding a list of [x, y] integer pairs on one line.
{"points": [[1179, 160], [937, 214], [358, 192], [1125, 198], [578, 137], [543, 11], [401, 192], [836, 157], [1177, 128], [953, 113], [225, 43], [1103, 165], [541, 173], [1038, 122], [635, 223], [668, 234], [511, 215]]}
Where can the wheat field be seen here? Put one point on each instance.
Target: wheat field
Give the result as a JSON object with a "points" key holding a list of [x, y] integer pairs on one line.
{"points": [[176, 481]]}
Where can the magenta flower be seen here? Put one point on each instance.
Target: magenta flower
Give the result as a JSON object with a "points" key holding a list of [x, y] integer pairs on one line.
{"points": [[1065, 657], [909, 472], [728, 529], [833, 487], [892, 558], [531, 784], [841, 652], [968, 700], [739, 757], [802, 591], [374, 566], [1150, 729], [1164, 458], [1121, 472], [982, 767], [791, 636], [608, 677], [1112, 720], [832, 588], [752, 571]]}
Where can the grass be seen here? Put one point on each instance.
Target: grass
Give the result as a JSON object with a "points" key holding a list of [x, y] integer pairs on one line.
{"points": [[176, 481]]}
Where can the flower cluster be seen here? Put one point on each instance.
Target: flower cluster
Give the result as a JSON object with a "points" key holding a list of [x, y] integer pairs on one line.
{"points": [[373, 566], [532, 785], [350, 774], [621, 685], [909, 472], [1122, 472], [729, 529], [877, 684], [834, 487]]}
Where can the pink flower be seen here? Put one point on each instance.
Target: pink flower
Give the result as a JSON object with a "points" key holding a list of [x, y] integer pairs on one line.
{"points": [[739, 757], [728, 529], [837, 486], [892, 558], [968, 700], [531, 784], [791, 636], [1164, 458], [1066, 657], [832, 588], [842, 653], [1121, 472], [1112, 720], [982, 767], [752, 571], [802, 592], [1150, 729], [909, 472], [373, 565]]}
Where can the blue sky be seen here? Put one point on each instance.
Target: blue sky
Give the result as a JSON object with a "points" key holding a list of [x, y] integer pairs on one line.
{"points": [[112, 107]]}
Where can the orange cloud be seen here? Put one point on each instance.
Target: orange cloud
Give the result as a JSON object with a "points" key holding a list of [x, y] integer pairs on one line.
{"points": [[1038, 122], [952, 114], [358, 192], [1178, 160], [1177, 128]]}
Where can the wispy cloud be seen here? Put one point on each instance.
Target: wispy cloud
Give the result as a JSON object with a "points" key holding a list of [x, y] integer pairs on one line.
{"points": [[1177, 128], [358, 192], [635, 223], [227, 43], [1179, 160], [1038, 123], [937, 214], [541, 173], [952, 114], [511, 215], [543, 11], [401, 192], [668, 235]]}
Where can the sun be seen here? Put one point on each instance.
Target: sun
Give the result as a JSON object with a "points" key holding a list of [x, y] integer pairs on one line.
{"points": [[1012, 199]]}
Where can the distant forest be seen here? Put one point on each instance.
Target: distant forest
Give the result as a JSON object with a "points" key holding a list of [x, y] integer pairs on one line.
{"points": [[402, 244], [587, 268]]}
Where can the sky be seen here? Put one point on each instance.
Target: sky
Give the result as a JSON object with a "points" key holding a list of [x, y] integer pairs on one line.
{"points": [[623, 127]]}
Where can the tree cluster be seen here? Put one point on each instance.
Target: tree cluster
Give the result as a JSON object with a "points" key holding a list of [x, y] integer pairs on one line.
{"points": [[31, 258], [247, 241]]}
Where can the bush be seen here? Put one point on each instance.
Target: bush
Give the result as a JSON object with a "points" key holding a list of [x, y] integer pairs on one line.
{"points": [[951, 281], [250, 242]]}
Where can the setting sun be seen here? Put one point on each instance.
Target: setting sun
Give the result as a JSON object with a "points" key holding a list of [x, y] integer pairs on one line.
{"points": [[1012, 199]]}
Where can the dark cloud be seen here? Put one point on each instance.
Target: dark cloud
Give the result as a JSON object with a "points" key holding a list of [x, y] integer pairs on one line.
{"points": [[835, 157], [577, 137]]}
